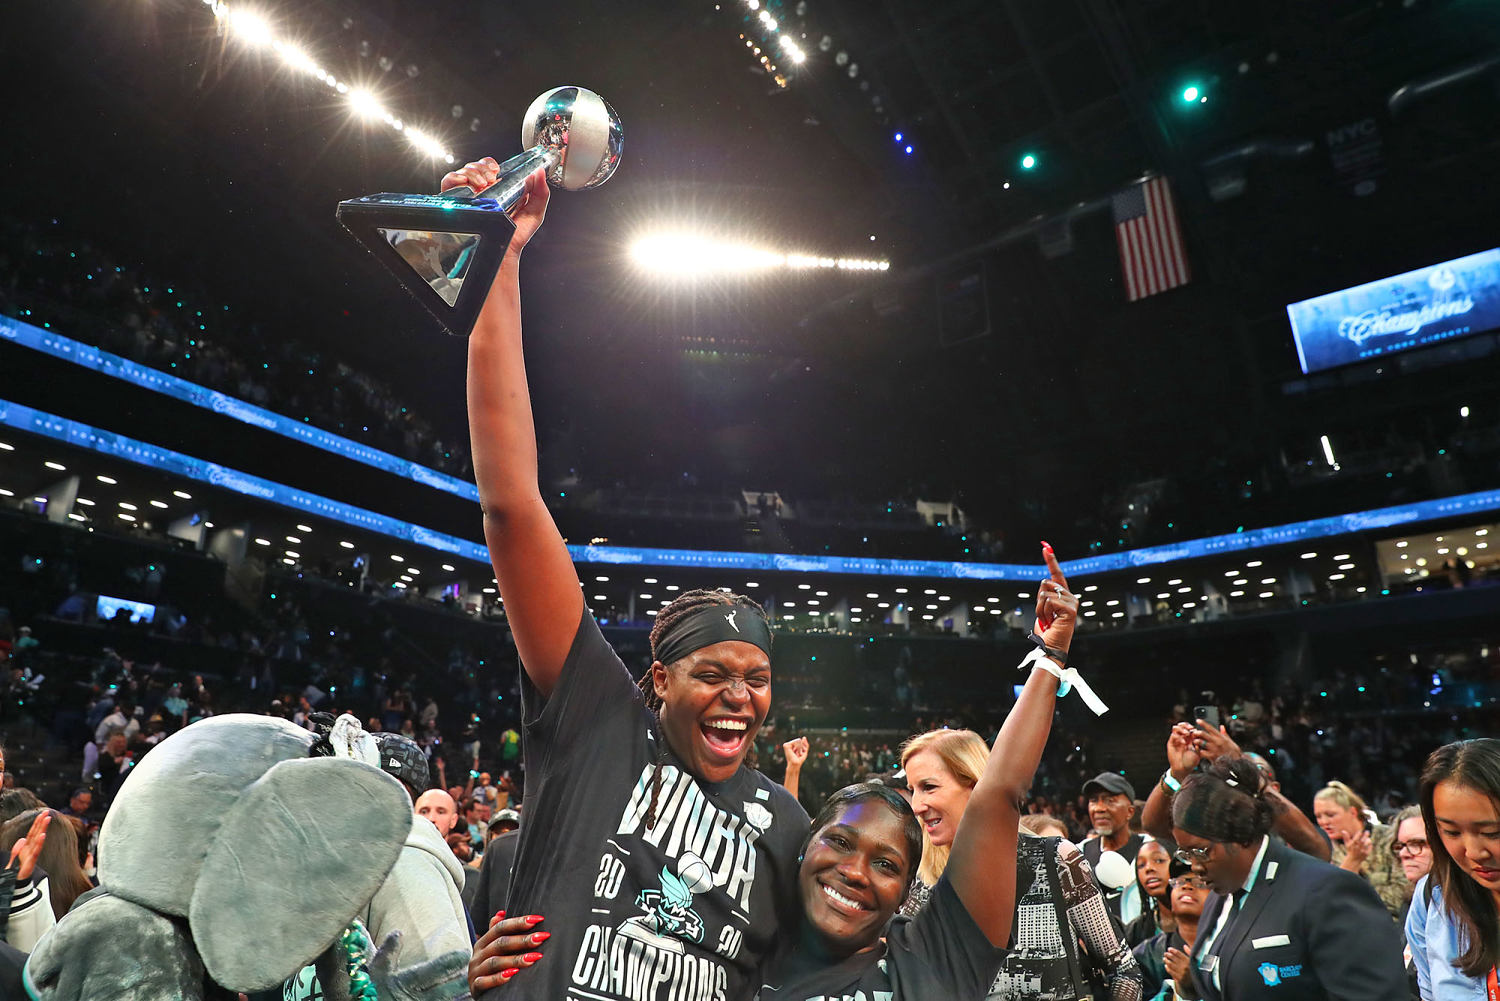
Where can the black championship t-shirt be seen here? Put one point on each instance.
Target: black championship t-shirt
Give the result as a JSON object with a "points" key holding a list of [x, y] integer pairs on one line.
{"points": [[684, 911], [938, 955]]}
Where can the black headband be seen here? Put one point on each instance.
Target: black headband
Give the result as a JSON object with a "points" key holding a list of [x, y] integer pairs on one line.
{"points": [[713, 624]]}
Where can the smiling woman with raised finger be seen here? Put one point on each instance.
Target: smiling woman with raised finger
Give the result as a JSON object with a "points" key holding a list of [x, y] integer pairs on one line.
{"points": [[861, 856]]}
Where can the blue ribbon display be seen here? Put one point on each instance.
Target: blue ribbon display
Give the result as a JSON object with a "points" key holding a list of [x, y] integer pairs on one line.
{"points": [[146, 377], [119, 446]]}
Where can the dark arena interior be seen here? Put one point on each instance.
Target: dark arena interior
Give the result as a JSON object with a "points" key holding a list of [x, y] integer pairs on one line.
{"points": [[880, 296]]}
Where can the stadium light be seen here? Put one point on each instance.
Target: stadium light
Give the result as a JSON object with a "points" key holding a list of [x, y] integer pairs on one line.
{"points": [[253, 29], [1028, 161], [687, 255], [1191, 93], [250, 27]]}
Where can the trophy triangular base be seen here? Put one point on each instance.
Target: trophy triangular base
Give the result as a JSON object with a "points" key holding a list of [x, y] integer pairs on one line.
{"points": [[444, 251]]}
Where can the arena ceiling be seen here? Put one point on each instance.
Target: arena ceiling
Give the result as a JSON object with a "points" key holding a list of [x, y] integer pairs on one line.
{"points": [[138, 121]]}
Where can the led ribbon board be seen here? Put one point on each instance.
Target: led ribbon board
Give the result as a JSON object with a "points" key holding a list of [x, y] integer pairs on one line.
{"points": [[145, 377], [1435, 303], [118, 446]]}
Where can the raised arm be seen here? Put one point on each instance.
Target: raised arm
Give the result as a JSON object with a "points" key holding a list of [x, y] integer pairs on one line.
{"points": [[1182, 758], [991, 822], [796, 755], [538, 584]]}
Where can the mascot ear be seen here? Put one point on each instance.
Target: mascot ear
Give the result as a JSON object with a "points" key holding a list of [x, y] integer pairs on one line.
{"points": [[296, 858]]}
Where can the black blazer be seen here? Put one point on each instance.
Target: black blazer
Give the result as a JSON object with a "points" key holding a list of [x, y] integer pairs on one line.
{"points": [[1308, 931]]}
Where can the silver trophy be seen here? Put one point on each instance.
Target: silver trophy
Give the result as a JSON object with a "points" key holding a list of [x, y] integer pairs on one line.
{"points": [[445, 249]]}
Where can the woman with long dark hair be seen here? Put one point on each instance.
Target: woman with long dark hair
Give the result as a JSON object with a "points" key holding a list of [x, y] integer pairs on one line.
{"points": [[1453, 926]]}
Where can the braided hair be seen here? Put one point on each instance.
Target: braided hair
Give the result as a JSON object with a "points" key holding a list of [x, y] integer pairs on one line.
{"points": [[1223, 802], [677, 610]]}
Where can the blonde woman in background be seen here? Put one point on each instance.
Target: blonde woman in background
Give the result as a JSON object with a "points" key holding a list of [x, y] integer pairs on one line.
{"points": [[942, 767], [1361, 844]]}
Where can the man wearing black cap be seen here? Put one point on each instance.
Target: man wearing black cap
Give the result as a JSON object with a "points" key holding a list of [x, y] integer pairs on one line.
{"points": [[1111, 802]]}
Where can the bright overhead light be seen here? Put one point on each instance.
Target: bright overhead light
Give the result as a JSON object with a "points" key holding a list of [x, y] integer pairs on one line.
{"points": [[128, 507], [1402, 544], [398, 559], [250, 27], [76, 516], [1309, 556], [687, 254], [6, 493], [84, 501], [366, 104], [6, 446], [649, 580], [751, 583], [55, 465], [293, 539], [304, 528], [159, 504], [182, 495], [262, 542], [1268, 594], [448, 567], [602, 580], [1253, 563], [1144, 580], [295, 556], [107, 479], [1328, 450], [347, 544], [125, 517]]}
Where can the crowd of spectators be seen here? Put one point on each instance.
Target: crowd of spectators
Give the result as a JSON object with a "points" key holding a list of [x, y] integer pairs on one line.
{"points": [[53, 278]]}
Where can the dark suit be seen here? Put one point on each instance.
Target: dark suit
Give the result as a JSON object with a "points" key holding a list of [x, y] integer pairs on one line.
{"points": [[489, 885], [1306, 931]]}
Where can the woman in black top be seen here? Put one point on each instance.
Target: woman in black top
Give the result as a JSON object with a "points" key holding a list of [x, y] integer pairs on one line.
{"points": [[862, 854], [647, 844]]}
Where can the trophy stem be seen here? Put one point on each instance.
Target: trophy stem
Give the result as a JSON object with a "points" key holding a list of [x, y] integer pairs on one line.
{"points": [[507, 190]]}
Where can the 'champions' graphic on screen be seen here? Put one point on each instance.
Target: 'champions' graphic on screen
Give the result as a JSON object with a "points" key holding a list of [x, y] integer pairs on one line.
{"points": [[1436, 303]]}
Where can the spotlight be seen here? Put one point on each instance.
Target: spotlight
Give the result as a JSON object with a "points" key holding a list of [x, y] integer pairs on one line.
{"points": [[251, 27], [366, 104], [1190, 94], [1028, 161]]}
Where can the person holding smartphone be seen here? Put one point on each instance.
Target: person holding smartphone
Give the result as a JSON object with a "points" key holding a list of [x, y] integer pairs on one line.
{"points": [[1189, 747]]}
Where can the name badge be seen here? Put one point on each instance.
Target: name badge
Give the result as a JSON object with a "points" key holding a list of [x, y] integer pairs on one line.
{"points": [[1270, 941], [1208, 964]]}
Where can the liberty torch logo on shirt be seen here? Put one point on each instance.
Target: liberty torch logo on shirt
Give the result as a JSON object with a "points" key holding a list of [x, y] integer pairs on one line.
{"points": [[730, 619], [669, 949]]}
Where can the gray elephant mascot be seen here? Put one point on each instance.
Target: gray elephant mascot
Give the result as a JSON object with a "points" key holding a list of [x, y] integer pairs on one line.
{"points": [[240, 850]]}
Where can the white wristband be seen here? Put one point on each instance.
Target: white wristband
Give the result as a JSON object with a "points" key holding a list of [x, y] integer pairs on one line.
{"points": [[1069, 678]]}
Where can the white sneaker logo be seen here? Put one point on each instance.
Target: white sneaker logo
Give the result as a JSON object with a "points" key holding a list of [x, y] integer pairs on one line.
{"points": [[730, 619]]}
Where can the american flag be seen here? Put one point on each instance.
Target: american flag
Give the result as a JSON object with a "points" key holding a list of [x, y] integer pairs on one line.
{"points": [[1151, 253]]}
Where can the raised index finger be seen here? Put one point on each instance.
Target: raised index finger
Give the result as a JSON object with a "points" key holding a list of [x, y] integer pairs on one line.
{"points": [[1054, 569]]}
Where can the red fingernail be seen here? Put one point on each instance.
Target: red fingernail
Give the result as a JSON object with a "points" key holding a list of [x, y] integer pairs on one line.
{"points": [[499, 914], [508, 974], [1046, 547], [532, 920], [531, 957], [540, 937]]}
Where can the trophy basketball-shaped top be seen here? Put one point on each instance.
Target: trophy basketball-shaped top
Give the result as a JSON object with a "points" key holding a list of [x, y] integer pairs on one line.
{"points": [[445, 249]]}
